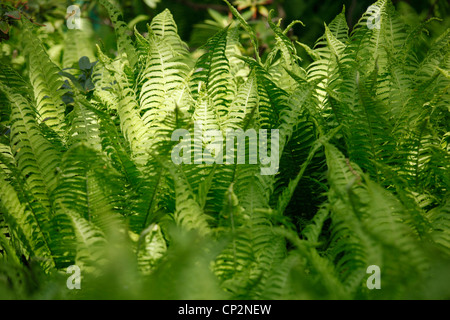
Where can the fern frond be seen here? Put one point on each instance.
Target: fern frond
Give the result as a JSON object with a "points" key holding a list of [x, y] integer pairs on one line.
{"points": [[213, 75], [90, 244], [124, 42], [163, 84], [150, 249], [188, 213], [131, 124], [248, 29], [25, 227], [440, 220], [85, 127], [164, 27], [36, 157], [45, 81], [81, 187]]}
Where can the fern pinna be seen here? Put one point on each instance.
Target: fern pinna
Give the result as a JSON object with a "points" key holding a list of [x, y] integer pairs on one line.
{"points": [[87, 177]]}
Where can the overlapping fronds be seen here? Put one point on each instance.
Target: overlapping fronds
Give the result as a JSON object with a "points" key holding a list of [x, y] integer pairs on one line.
{"points": [[247, 177]]}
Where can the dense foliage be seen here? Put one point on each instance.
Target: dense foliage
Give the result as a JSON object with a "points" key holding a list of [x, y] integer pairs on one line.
{"points": [[87, 177]]}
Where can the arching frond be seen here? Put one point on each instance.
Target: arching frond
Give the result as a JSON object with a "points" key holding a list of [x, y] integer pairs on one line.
{"points": [[45, 81]]}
